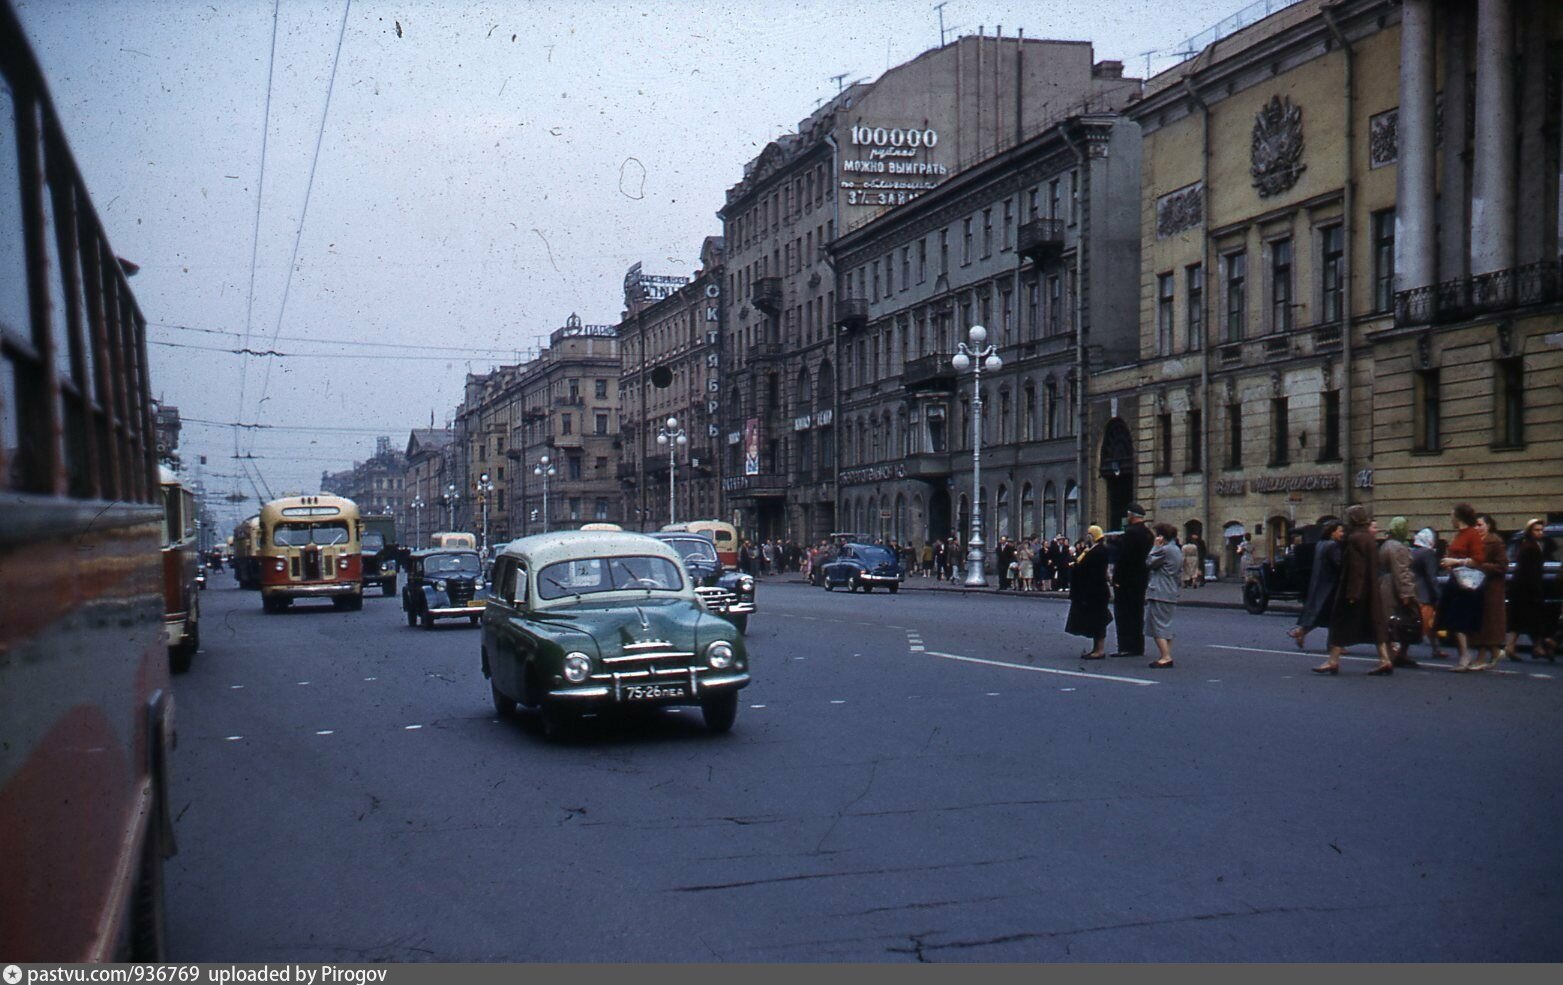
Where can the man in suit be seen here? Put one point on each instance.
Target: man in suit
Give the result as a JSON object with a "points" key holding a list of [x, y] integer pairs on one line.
{"points": [[1130, 580]]}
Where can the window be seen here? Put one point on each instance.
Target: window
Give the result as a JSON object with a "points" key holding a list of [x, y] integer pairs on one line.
{"points": [[575, 389], [1033, 210], [1237, 295], [944, 251], [602, 424], [875, 295], [1033, 308], [1164, 300], [1164, 444], [564, 424], [1009, 223], [1332, 274], [1383, 232], [906, 267], [1054, 203], [1195, 294], [601, 464], [1329, 413], [987, 233], [922, 260], [1509, 403], [1280, 433], [966, 240], [1050, 409], [1425, 421], [889, 275], [1055, 305], [1281, 285], [1006, 312], [1234, 436], [1196, 444], [574, 463], [1074, 197], [575, 507], [600, 508]]}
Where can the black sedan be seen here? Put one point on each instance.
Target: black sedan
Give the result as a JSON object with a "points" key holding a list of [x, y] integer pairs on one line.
{"points": [[729, 594], [861, 567], [443, 583]]}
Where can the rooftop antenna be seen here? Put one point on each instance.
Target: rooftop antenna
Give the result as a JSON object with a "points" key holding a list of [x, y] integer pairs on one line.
{"points": [[1148, 55], [939, 7], [840, 80]]}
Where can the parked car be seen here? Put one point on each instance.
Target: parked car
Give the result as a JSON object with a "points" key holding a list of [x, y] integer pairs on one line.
{"points": [[597, 621], [862, 567], [729, 594], [1285, 578], [443, 583]]}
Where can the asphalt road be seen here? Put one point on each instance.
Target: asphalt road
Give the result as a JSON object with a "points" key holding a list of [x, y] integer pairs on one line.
{"points": [[916, 777]]}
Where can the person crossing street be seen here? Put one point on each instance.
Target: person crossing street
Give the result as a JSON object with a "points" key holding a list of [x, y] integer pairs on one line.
{"points": [[1130, 580]]}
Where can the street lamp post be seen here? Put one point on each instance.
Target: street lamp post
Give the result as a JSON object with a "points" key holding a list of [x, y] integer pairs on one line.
{"points": [[450, 506], [977, 357], [674, 438], [545, 469], [417, 523], [485, 487]]}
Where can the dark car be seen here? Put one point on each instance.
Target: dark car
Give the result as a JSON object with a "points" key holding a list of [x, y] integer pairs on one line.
{"points": [[862, 567], [377, 554], [443, 583], [1285, 578], [729, 594]]}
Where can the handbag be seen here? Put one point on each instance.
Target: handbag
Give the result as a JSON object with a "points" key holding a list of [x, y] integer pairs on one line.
{"points": [[1468, 579], [1405, 626]]}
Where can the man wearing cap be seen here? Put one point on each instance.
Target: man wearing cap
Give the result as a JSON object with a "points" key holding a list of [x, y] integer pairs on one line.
{"points": [[1130, 580]]}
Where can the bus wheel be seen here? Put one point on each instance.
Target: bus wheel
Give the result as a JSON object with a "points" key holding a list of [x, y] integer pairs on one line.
{"points": [[412, 618], [148, 915]]}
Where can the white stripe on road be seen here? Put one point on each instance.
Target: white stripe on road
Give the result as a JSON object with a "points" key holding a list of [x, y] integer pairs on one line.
{"points": [[1041, 670]]}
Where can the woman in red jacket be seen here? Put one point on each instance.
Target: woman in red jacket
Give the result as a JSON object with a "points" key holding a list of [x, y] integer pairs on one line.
{"points": [[1460, 609]]}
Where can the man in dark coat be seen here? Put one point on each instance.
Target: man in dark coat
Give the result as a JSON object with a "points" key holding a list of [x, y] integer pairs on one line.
{"points": [[1130, 579], [1358, 615], [1005, 556]]}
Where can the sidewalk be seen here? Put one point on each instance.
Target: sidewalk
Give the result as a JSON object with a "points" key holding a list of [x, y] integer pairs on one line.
{"points": [[1227, 594]]}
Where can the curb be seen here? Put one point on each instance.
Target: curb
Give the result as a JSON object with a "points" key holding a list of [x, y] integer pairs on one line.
{"points": [[1185, 601]]}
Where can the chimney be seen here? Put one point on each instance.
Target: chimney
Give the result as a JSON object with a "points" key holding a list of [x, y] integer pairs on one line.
{"points": [[1107, 70]]}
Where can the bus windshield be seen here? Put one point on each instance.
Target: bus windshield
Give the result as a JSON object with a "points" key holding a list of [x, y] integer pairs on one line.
{"points": [[302, 534]]}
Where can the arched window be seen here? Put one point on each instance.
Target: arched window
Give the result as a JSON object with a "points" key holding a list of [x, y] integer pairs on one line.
{"points": [[987, 417], [1028, 427], [825, 390], [862, 442], [902, 530], [883, 519], [1005, 408], [919, 519], [1028, 510], [1001, 512], [875, 437], [1050, 409], [803, 393], [1072, 528], [1049, 511], [963, 518], [963, 440], [903, 427]]}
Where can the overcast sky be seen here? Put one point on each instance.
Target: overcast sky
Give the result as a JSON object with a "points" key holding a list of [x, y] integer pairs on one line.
{"points": [[485, 170]]}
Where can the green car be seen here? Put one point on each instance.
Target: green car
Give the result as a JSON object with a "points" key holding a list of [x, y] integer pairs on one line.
{"points": [[589, 620]]}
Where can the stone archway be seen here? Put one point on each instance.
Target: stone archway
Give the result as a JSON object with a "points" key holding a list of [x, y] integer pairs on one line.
{"points": [[1117, 471]]}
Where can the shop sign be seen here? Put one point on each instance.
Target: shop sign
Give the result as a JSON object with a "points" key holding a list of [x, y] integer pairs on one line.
{"points": [[824, 417], [872, 473], [1365, 479], [802, 423], [1317, 482], [1176, 503]]}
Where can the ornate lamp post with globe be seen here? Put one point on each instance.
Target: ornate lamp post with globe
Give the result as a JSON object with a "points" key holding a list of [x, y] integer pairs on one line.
{"points": [[417, 523], [674, 438], [485, 489], [544, 468], [976, 357]]}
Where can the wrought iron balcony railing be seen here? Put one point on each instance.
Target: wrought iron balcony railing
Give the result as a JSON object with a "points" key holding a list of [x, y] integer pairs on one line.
{"points": [[1470, 297]]}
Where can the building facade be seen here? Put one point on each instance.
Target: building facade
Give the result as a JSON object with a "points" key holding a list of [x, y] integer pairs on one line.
{"points": [[1034, 245], [428, 485], [376, 484], [873, 148], [670, 351], [1343, 298]]}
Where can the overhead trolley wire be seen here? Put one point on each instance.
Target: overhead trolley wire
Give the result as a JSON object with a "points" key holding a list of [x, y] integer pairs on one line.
{"points": [[260, 191]]}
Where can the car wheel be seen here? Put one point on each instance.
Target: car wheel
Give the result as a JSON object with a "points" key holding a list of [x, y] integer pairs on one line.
{"points": [[741, 623], [720, 711], [531, 690], [472, 620], [427, 619], [270, 606], [894, 587], [504, 707], [388, 588], [412, 617], [828, 586], [556, 722]]}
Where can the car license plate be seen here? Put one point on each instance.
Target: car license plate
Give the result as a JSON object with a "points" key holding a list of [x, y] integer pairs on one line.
{"points": [[651, 692]]}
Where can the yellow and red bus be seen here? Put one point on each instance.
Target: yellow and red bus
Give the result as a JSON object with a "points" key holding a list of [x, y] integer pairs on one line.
{"points": [[181, 564], [723, 533], [308, 548], [86, 712]]}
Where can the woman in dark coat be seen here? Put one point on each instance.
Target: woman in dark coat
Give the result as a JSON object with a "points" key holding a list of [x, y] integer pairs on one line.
{"points": [[1358, 615], [1528, 610], [1494, 563], [1089, 597], [1321, 584]]}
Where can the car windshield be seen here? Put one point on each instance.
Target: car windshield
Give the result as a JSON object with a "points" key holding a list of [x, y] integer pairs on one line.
{"points": [[874, 555], [302, 534], [373, 541], [449, 564], [695, 549], [587, 576]]}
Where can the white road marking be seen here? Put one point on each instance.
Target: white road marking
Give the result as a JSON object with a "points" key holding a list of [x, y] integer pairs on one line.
{"points": [[235, 687], [1069, 689], [234, 738], [1213, 680], [756, 706], [371, 678], [1542, 677], [838, 701], [919, 649], [1043, 670], [993, 694], [302, 683], [409, 728], [326, 731]]}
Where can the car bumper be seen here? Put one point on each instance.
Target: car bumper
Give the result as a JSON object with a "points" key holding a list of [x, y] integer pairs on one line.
{"points": [[614, 692], [310, 591], [176, 628], [457, 610], [880, 579]]}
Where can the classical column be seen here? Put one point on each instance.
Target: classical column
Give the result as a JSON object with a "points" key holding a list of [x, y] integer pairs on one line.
{"points": [[1530, 223], [1454, 203], [1415, 219], [1493, 185]]}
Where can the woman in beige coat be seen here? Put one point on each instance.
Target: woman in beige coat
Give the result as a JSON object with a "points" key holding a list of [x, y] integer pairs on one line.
{"points": [[1397, 585]]}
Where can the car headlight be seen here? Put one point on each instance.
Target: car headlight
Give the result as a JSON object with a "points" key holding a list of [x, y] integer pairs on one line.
{"points": [[720, 655], [746, 584], [439, 584], [577, 667]]}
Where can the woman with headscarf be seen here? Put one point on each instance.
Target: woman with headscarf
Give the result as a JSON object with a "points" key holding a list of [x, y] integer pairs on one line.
{"points": [[1493, 562], [1397, 592], [1089, 597], [1322, 580], [1424, 575], [1460, 608], [1528, 610], [1358, 615]]}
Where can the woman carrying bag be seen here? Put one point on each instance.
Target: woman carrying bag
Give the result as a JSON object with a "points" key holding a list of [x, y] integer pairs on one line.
{"points": [[1089, 597], [1164, 563], [1460, 609]]}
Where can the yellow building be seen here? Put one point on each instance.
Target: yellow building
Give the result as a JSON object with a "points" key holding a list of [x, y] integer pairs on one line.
{"points": [[1310, 332]]}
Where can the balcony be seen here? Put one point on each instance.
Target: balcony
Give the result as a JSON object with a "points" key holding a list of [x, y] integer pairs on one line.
{"points": [[565, 440], [852, 313], [1472, 297], [1278, 346], [766, 485], [626, 472], [1229, 353], [767, 295], [929, 373], [1326, 337], [570, 401], [1041, 239], [765, 350]]}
